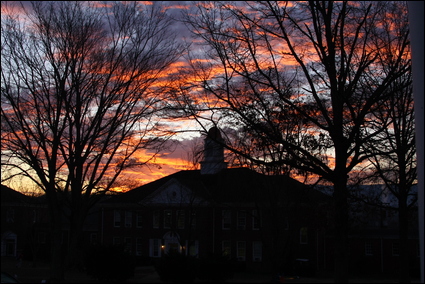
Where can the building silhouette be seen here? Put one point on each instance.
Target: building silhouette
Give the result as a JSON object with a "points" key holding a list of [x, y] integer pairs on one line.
{"points": [[265, 223]]}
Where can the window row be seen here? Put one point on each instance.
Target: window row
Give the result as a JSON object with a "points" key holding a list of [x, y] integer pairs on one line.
{"points": [[369, 248], [182, 219], [158, 247], [241, 219]]}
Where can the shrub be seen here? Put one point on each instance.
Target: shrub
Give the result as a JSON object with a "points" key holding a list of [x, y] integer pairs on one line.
{"points": [[216, 268], [176, 267], [109, 264]]}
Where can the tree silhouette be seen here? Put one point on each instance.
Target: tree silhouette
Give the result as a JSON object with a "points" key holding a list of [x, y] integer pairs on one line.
{"points": [[80, 94], [394, 159], [300, 81]]}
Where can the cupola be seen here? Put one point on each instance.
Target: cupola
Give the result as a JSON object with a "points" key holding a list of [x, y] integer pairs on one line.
{"points": [[213, 161]]}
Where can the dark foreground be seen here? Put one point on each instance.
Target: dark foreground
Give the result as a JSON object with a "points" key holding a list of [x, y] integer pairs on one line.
{"points": [[147, 274]]}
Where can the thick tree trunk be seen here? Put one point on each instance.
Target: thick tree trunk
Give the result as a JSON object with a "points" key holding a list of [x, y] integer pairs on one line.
{"points": [[56, 253], [341, 233], [404, 276]]}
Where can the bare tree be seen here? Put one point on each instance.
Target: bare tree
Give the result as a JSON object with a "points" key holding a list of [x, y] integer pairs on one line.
{"points": [[394, 158], [300, 80], [80, 90]]}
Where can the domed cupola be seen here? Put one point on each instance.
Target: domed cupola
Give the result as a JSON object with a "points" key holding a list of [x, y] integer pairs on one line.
{"points": [[213, 160]]}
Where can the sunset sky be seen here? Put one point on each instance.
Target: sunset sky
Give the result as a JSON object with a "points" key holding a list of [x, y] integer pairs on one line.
{"points": [[176, 156]]}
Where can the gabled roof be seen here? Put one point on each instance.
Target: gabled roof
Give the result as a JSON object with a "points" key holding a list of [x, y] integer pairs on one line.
{"points": [[9, 195], [234, 185]]}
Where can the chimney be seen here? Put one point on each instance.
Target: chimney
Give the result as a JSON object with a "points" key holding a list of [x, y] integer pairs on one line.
{"points": [[213, 161]]}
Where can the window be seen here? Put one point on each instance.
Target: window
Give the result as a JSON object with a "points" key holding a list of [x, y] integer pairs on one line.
{"points": [[193, 219], [255, 220], [180, 219], [257, 251], [128, 219], [194, 249], [304, 235], [368, 248], [167, 219], [226, 248], [34, 216], [93, 238], [139, 220], [241, 220], [139, 246], [286, 224], [226, 219], [10, 218], [42, 237], [127, 245], [396, 248], [154, 247], [117, 218], [116, 240], [241, 251], [155, 219]]}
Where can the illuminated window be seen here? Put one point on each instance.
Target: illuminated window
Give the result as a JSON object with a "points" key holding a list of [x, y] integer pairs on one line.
{"points": [[128, 219], [256, 221], [241, 220], [117, 218], [167, 219], [368, 248], [304, 235], [226, 248], [180, 219], [155, 219], [241, 250], [139, 220], [226, 219], [257, 251]]}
